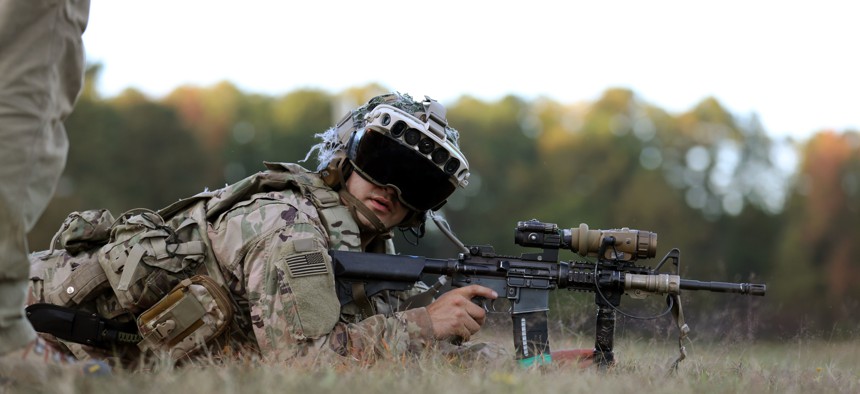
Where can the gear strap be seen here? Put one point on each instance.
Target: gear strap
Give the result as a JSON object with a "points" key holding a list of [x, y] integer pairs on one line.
{"points": [[355, 205], [361, 300]]}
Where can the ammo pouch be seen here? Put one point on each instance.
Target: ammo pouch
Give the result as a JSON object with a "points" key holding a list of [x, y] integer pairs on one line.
{"points": [[69, 274], [194, 313]]}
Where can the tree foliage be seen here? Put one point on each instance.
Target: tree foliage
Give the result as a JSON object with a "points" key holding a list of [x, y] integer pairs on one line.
{"points": [[709, 182]]}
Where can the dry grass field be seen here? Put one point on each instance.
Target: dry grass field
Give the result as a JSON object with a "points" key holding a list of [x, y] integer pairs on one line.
{"points": [[796, 366]]}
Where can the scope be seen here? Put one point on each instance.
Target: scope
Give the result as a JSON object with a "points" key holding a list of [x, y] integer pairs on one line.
{"points": [[621, 244]]}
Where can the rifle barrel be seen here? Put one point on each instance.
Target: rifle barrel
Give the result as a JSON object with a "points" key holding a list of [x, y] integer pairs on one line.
{"points": [[725, 287]]}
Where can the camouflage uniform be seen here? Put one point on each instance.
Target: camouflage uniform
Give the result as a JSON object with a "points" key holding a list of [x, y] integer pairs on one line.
{"points": [[269, 235], [261, 244]]}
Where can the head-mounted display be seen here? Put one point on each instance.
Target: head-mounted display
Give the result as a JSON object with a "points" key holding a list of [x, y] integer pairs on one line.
{"points": [[413, 155]]}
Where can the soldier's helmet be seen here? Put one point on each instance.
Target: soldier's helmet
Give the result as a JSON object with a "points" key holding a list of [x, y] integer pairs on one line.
{"points": [[395, 141]]}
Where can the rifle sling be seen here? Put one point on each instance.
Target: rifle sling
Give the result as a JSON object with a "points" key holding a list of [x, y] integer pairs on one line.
{"points": [[425, 297], [361, 300]]}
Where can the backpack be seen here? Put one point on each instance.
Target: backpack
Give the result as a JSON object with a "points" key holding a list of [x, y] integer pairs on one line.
{"points": [[145, 267]]}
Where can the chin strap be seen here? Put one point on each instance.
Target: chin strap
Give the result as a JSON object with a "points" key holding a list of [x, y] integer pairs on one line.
{"points": [[356, 207], [334, 176]]}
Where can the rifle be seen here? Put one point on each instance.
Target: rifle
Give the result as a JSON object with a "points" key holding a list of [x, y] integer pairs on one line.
{"points": [[526, 281]]}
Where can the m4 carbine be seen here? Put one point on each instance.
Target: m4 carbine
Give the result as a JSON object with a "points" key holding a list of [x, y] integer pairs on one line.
{"points": [[526, 281]]}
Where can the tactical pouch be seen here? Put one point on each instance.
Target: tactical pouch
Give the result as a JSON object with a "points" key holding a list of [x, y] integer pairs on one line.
{"points": [[194, 313], [85, 282], [147, 257], [83, 230]]}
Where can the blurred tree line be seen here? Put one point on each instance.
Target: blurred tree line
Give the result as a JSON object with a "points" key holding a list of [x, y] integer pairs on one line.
{"points": [[740, 205]]}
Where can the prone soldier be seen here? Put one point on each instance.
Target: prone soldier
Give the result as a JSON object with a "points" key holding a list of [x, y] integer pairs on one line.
{"points": [[247, 266]]}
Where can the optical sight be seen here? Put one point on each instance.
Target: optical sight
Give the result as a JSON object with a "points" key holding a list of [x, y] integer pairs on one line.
{"points": [[621, 244]]}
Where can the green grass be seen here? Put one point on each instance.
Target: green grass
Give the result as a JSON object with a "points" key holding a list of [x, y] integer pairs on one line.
{"points": [[800, 366]]}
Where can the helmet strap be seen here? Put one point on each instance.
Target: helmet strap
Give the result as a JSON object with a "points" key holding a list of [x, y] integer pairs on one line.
{"points": [[356, 207], [334, 176], [335, 173]]}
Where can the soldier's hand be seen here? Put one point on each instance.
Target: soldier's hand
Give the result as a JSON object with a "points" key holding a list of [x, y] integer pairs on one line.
{"points": [[455, 315]]}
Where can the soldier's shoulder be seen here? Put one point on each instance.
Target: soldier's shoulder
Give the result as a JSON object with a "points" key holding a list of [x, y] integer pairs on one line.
{"points": [[291, 168], [287, 200]]}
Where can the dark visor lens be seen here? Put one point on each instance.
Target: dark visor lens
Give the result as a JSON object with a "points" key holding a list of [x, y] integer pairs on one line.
{"points": [[422, 184]]}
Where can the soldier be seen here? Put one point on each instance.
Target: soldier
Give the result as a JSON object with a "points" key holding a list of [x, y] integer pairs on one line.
{"points": [[263, 243], [390, 161]]}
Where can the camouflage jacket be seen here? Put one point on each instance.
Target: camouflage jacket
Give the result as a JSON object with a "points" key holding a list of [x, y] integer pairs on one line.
{"points": [[272, 250]]}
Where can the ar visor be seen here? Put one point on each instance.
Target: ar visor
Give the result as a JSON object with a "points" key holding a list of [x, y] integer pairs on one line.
{"points": [[420, 183]]}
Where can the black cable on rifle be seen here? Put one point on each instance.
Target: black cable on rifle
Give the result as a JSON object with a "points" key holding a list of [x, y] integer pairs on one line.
{"points": [[669, 299]]}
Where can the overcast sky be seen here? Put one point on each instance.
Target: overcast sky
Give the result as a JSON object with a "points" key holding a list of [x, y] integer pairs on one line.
{"points": [[793, 63]]}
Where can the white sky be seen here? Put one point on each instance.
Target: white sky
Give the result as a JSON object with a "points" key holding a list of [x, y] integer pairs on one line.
{"points": [[793, 63]]}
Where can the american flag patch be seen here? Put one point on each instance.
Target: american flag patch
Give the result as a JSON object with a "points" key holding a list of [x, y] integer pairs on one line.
{"points": [[306, 264]]}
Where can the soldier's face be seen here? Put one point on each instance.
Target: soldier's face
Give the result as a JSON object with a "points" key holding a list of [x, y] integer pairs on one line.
{"points": [[381, 200]]}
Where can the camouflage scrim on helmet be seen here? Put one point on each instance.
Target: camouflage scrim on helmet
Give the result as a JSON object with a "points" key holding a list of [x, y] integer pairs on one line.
{"points": [[332, 141]]}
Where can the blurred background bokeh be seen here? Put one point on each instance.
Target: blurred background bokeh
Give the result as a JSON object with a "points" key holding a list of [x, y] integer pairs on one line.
{"points": [[740, 205]]}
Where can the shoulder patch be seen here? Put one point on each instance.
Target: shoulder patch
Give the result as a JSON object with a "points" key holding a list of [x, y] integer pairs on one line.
{"points": [[306, 264], [314, 306]]}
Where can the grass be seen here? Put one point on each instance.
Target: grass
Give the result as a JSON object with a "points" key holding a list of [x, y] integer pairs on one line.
{"points": [[800, 366]]}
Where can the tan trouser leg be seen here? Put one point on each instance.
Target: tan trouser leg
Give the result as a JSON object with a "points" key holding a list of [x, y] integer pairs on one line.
{"points": [[41, 71]]}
